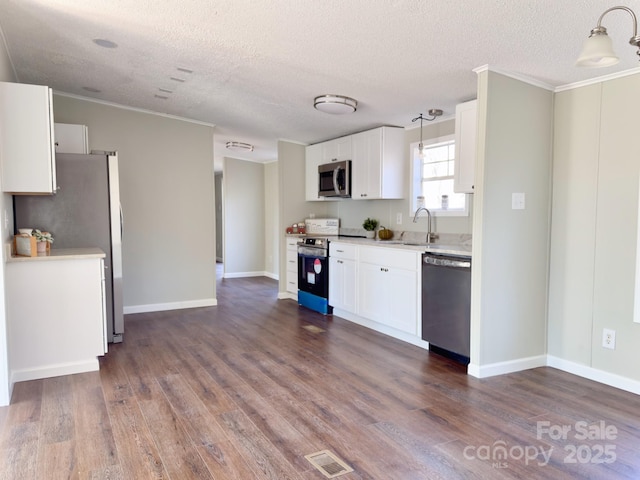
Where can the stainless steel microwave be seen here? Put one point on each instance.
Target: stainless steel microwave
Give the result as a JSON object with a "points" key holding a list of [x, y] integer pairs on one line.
{"points": [[334, 179]]}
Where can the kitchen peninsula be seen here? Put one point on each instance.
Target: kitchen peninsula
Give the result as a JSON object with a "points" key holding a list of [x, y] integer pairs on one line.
{"points": [[55, 313]]}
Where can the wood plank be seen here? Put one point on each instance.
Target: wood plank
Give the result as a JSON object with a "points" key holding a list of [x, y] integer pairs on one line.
{"points": [[225, 462], [177, 450], [137, 451], [261, 455], [95, 445]]}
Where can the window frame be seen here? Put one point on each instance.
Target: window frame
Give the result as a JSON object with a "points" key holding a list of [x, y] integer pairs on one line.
{"points": [[416, 180]]}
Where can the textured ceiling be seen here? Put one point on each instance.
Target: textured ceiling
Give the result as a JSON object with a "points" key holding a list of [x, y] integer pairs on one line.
{"points": [[257, 65]]}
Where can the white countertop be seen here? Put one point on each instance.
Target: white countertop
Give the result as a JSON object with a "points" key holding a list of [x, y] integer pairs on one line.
{"points": [[60, 254], [448, 249]]}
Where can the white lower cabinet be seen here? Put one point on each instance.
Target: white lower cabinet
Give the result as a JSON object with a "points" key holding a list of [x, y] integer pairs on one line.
{"points": [[376, 284], [343, 281], [292, 265], [56, 323], [388, 288]]}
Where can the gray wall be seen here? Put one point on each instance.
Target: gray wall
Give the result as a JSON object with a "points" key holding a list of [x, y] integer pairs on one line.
{"points": [[594, 230], [219, 206], [292, 205], [167, 195], [271, 221], [7, 74], [244, 227], [511, 247]]}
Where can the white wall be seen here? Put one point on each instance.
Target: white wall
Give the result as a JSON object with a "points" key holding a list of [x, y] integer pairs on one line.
{"points": [[167, 195], [7, 74], [594, 230], [244, 230], [510, 247]]}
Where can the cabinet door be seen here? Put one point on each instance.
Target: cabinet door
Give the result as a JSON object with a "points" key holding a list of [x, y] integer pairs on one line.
{"points": [[342, 284], [71, 138], [402, 300], [378, 165], [372, 292], [366, 179], [26, 139], [389, 295], [336, 150], [313, 158], [465, 136]]}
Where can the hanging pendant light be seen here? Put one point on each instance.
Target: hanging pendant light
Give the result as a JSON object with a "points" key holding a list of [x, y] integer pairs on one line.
{"points": [[434, 113], [598, 48]]}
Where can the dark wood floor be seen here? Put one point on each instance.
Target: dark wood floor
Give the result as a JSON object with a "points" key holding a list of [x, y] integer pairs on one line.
{"points": [[243, 390]]}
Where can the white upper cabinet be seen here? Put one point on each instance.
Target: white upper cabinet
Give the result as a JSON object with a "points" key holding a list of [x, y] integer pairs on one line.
{"points": [[336, 150], [378, 169], [27, 155], [71, 138], [466, 135]]}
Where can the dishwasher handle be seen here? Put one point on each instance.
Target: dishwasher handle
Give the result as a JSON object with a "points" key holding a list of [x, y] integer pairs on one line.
{"points": [[446, 262]]}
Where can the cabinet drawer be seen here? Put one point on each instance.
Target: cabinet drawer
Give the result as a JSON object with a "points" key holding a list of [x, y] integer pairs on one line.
{"points": [[343, 250], [390, 257], [292, 261], [292, 281], [292, 243]]}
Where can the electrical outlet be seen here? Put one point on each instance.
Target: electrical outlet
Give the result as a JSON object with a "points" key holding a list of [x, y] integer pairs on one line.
{"points": [[517, 201], [399, 218], [609, 338]]}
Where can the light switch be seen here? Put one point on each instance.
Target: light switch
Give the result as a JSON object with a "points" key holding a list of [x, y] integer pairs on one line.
{"points": [[517, 201]]}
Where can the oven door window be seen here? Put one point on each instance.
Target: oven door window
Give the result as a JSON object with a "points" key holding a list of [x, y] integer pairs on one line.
{"points": [[313, 275]]}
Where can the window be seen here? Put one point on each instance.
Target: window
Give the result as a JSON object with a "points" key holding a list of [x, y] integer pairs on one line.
{"points": [[433, 178]]}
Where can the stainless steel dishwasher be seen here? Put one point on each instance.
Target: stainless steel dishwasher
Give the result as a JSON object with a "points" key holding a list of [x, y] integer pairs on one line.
{"points": [[446, 305]]}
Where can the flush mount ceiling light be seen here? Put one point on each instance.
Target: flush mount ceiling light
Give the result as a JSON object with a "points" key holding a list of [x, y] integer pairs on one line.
{"points": [[434, 113], [598, 49], [239, 147], [335, 104]]}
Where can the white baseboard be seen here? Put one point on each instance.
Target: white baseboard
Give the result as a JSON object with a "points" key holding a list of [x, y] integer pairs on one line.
{"points": [[500, 368], [57, 370], [245, 274], [378, 327], [287, 295], [161, 307], [272, 275], [611, 379]]}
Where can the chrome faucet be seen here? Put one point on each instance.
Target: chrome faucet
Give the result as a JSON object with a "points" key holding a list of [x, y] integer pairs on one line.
{"points": [[430, 236]]}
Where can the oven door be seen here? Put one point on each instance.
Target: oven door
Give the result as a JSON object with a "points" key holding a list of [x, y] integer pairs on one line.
{"points": [[313, 271]]}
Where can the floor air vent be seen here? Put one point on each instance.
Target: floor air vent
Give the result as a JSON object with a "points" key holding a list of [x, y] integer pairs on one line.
{"points": [[328, 464]]}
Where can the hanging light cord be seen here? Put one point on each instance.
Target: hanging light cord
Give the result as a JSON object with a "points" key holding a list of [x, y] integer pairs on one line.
{"points": [[435, 113]]}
